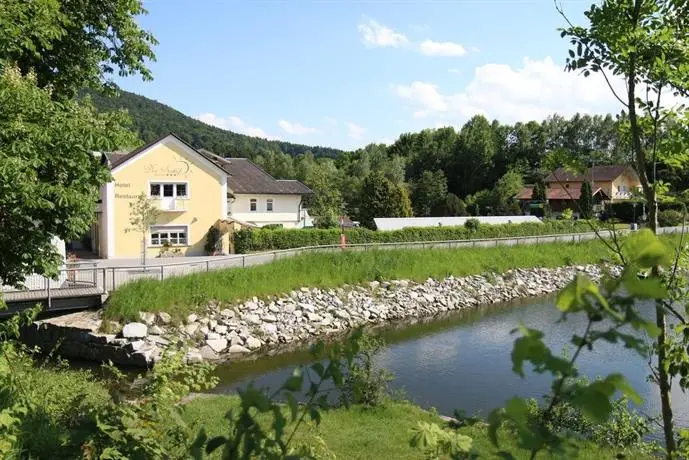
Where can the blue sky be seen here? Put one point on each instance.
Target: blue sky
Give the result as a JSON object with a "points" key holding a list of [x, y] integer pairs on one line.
{"points": [[346, 73]]}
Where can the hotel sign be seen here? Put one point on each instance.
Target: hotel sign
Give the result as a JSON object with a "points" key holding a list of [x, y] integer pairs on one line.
{"points": [[178, 168]]}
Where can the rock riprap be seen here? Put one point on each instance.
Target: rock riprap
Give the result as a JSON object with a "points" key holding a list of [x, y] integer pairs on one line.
{"points": [[221, 332]]}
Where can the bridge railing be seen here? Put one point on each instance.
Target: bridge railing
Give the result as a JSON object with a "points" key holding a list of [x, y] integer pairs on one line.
{"points": [[108, 279]]}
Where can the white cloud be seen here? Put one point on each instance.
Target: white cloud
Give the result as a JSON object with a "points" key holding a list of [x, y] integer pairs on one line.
{"points": [[233, 123], [533, 91], [355, 131], [374, 34], [432, 48], [455, 71], [474, 49], [295, 128], [425, 96], [330, 120]]}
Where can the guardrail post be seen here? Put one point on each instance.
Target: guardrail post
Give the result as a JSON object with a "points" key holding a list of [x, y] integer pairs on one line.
{"points": [[243, 261], [162, 272], [50, 303], [105, 288], [208, 265]]}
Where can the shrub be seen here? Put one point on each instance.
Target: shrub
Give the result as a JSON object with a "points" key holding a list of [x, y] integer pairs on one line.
{"points": [[365, 384], [213, 243], [670, 218], [250, 240], [624, 210], [567, 214], [472, 225], [623, 430]]}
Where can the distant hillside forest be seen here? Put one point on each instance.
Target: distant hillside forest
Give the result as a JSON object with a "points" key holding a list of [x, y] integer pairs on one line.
{"points": [[152, 119], [435, 172]]}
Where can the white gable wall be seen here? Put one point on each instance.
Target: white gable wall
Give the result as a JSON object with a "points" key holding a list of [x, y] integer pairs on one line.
{"points": [[286, 209]]}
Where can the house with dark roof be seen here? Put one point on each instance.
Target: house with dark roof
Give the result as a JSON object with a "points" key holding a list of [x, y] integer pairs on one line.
{"points": [[193, 190], [563, 186], [256, 197]]}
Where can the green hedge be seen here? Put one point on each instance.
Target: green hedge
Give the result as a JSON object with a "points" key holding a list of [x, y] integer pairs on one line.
{"points": [[624, 210], [266, 239]]}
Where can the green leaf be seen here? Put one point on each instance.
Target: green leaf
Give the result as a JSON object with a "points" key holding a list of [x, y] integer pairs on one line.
{"points": [[294, 382], [517, 410], [646, 250], [495, 419], [215, 443], [646, 288], [315, 415], [293, 406], [622, 385]]}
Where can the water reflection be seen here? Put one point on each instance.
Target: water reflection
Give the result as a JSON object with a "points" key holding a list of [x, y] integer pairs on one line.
{"points": [[463, 360]]}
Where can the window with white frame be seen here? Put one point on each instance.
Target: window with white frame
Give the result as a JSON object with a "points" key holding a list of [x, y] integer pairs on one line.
{"points": [[253, 205], [169, 190], [269, 205], [175, 236]]}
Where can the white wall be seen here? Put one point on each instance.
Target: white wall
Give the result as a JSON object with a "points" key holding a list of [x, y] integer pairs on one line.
{"points": [[285, 209]]}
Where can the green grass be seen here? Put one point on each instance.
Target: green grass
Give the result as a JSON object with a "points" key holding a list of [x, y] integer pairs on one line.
{"points": [[180, 295], [358, 433]]}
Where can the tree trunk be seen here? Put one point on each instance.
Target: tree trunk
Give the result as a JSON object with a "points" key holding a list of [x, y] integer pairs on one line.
{"points": [[664, 386]]}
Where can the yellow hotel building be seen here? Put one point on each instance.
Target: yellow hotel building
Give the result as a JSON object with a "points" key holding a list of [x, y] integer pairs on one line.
{"points": [[191, 190]]}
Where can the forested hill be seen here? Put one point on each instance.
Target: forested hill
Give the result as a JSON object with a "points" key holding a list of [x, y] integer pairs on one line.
{"points": [[153, 119]]}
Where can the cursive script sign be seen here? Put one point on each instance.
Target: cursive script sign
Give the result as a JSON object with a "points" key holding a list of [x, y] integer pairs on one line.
{"points": [[178, 168]]}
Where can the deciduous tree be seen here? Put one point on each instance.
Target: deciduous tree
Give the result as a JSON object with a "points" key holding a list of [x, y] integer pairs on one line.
{"points": [[50, 173], [143, 213], [429, 194], [71, 45], [380, 197], [646, 44]]}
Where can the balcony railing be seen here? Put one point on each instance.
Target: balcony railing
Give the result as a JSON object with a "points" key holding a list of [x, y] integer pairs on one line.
{"points": [[172, 205]]}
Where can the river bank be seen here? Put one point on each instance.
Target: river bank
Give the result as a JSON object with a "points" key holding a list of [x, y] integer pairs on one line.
{"points": [[219, 332]]}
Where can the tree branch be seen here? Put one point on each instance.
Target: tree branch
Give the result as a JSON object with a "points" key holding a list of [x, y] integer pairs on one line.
{"points": [[560, 10]]}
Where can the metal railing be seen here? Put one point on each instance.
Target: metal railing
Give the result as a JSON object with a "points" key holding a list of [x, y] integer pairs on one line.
{"points": [[107, 279]]}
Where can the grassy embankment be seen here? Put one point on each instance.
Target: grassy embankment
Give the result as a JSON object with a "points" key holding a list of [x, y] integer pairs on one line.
{"points": [[68, 400], [369, 433], [181, 295]]}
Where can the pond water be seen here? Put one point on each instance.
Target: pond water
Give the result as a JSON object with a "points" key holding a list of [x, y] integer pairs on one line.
{"points": [[462, 361]]}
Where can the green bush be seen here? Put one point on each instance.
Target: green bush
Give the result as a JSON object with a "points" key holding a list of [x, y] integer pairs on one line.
{"points": [[623, 430], [472, 225], [670, 218], [262, 239], [624, 210], [364, 383], [213, 242]]}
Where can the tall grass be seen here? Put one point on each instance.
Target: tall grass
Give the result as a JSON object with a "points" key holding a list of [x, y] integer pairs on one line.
{"points": [[180, 295]]}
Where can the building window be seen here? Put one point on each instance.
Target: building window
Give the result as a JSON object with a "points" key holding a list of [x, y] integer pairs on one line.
{"points": [[253, 205], [176, 236], [155, 190], [269, 205], [169, 190], [181, 190]]}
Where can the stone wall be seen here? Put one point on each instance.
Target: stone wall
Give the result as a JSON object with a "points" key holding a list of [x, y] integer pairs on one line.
{"points": [[231, 331]]}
